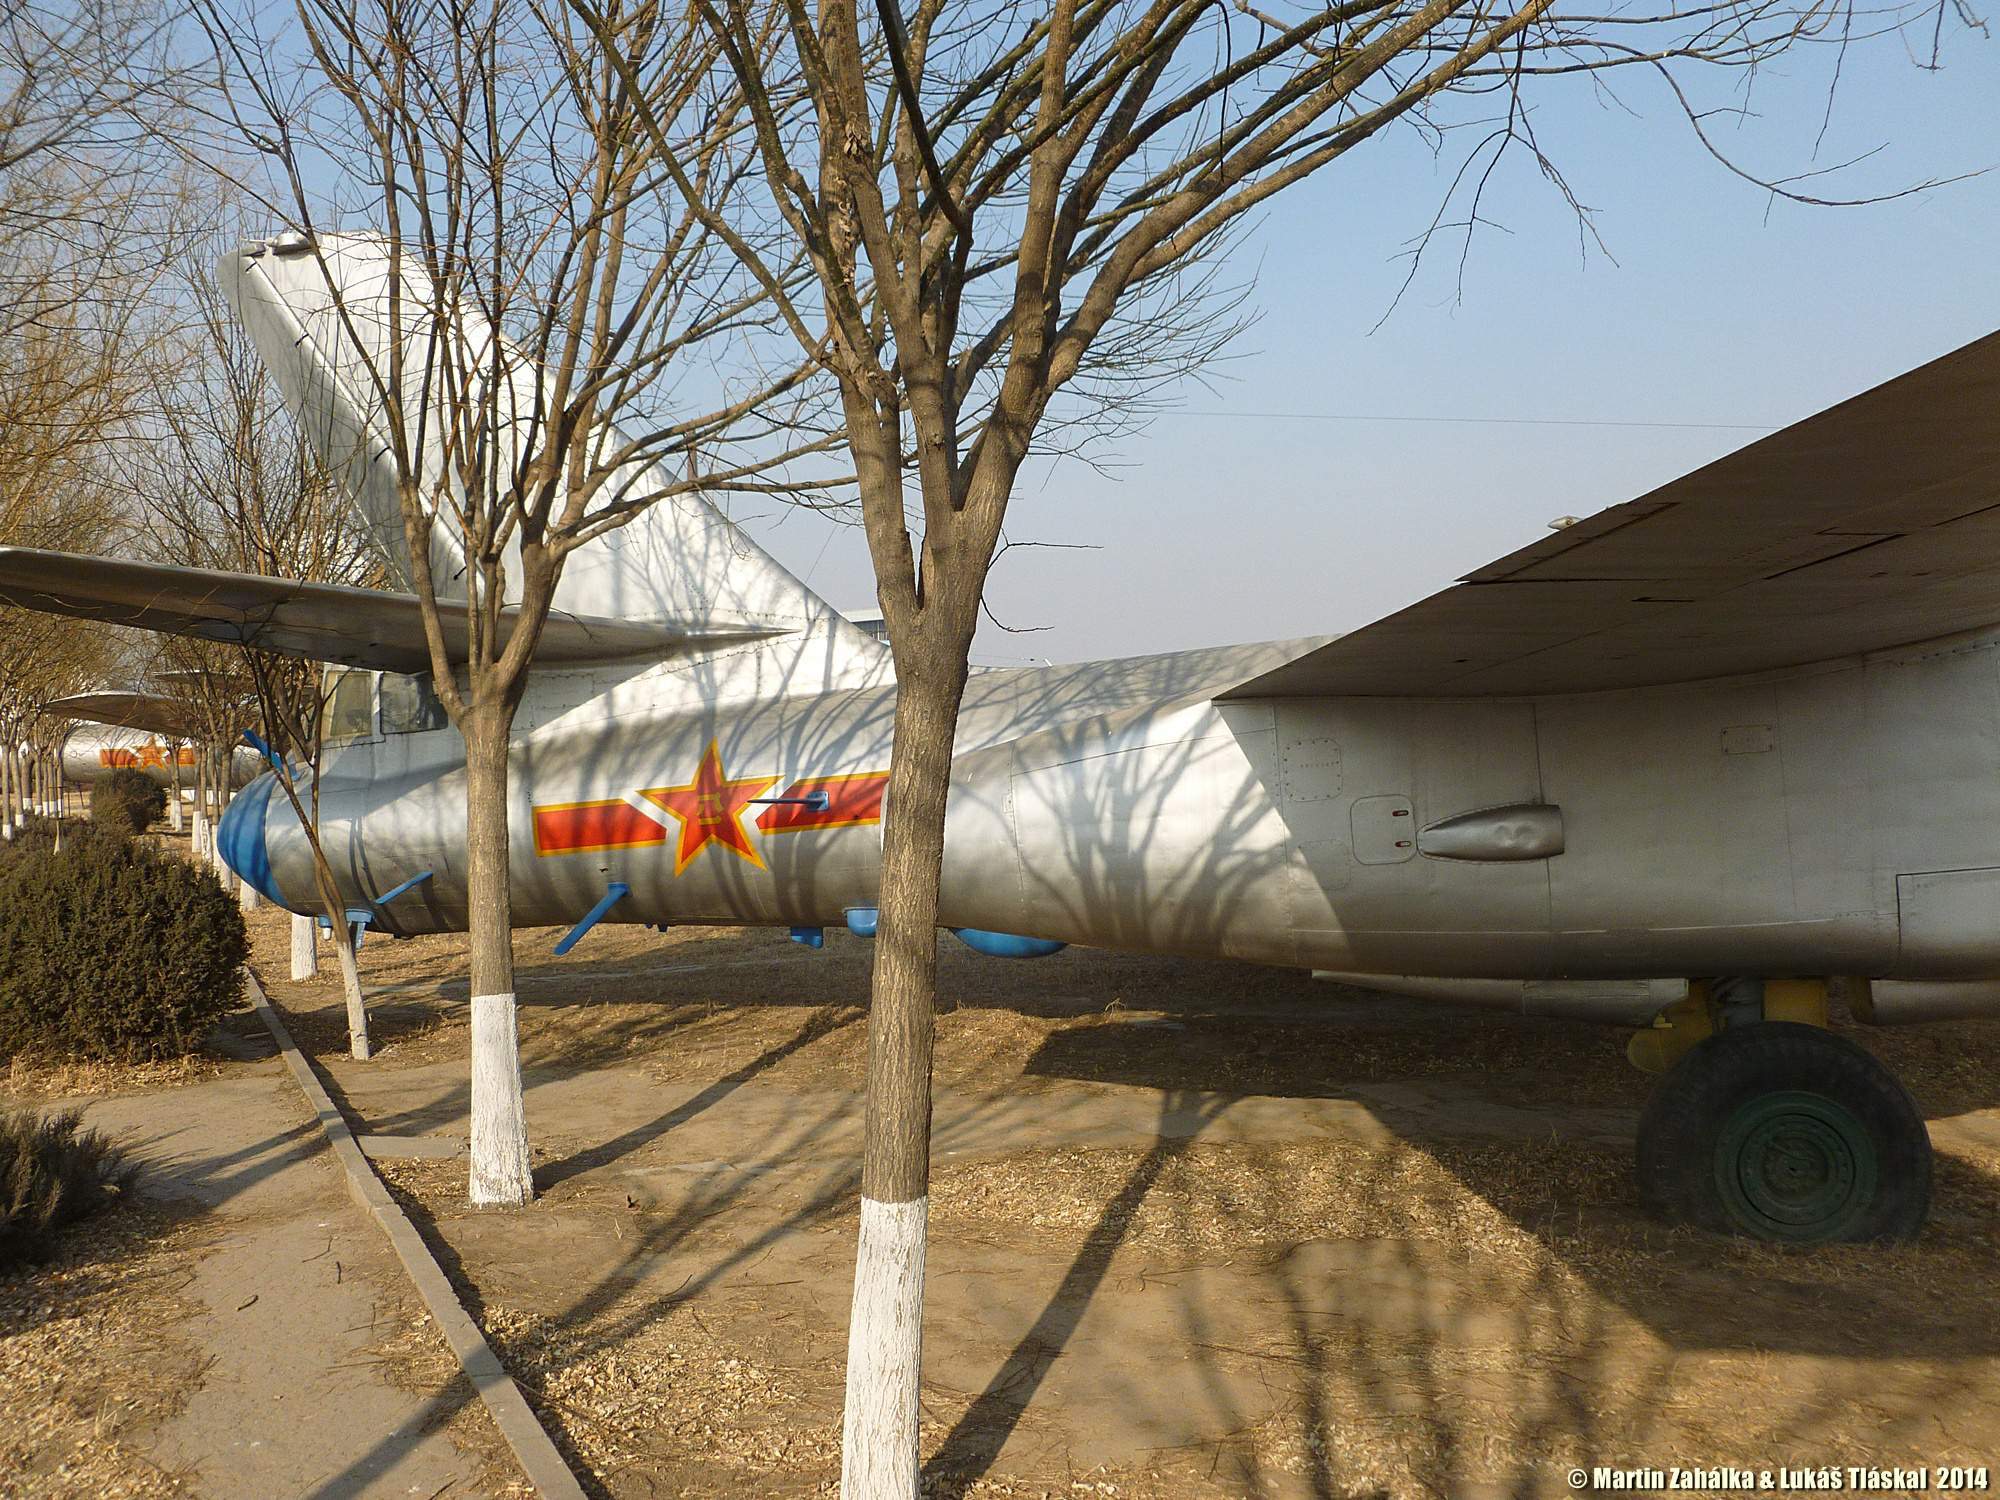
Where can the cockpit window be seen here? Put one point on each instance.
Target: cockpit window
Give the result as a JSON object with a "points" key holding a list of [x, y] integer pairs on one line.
{"points": [[349, 713], [410, 705]]}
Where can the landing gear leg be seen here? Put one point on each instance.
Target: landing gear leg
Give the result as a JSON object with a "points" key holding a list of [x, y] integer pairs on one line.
{"points": [[1784, 1131]]}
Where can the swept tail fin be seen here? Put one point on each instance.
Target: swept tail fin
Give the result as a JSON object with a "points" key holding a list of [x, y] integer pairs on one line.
{"points": [[320, 313]]}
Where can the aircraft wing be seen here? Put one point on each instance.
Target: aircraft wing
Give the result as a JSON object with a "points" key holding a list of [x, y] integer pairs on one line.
{"points": [[1874, 524], [326, 622], [151, 712]]}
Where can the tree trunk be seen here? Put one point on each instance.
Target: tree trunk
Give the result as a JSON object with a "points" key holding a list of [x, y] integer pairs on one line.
{"points": [[198, 842], [885, 1332], [6, 792], [305, 936], [500, 1176], [305, 954], [358, 1045], [218, 791]]}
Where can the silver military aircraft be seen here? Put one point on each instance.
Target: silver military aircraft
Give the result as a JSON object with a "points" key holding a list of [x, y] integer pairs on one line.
{"points": [[1680, 766], [118, 729]]}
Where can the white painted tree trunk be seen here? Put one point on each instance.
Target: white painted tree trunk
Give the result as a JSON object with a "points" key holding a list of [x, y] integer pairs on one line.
{"points": [[199, 839], [174, 810], [221, 865], [246, 895], [878, 1449], [501, 1175], [358, 1045], [305, 947]]}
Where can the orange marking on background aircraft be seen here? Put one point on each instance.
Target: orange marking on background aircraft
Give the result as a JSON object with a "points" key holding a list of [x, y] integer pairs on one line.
{"points": [[150, 757]]}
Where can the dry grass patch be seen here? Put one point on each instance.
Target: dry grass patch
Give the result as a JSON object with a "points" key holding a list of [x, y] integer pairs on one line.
{"points": [[92, 1361], [32, 1082], [645, 1388], [1554, 1204], [1224, 1200]]}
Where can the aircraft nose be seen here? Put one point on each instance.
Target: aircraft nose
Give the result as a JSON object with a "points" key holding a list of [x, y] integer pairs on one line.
{"points": [[239, 837]]}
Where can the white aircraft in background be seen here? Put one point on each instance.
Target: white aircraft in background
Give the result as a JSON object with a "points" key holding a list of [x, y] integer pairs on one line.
{"points": [[1674, 766]]}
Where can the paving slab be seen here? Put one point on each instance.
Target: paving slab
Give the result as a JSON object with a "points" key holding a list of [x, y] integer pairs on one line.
{"points": [[291, 1403]]}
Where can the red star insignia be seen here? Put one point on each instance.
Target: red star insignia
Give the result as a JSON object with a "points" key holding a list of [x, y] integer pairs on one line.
{"points": [[710, 809]]}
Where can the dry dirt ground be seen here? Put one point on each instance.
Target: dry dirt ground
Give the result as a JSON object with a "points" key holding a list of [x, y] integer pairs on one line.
{"points": [[1197, 1229]]}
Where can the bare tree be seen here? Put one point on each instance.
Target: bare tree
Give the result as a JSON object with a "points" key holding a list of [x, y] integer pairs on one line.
{"points": [[38, 665], [90, 209], [89, 202], [995, 200], [232, 484], [548, 271]]}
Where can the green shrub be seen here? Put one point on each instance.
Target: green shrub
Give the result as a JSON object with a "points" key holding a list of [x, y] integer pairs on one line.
{"points": [[111, 951], [127, 801], [52, 1174], [38, 836], [34, 833]]}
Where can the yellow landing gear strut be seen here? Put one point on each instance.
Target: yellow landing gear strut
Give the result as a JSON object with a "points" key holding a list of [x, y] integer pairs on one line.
{"points": [[1685, 1023]]}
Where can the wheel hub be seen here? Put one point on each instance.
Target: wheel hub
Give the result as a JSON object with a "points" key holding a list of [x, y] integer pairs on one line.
{"points": [[1795, 1166]]}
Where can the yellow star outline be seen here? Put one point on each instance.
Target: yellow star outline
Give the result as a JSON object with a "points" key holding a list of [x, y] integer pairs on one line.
{"points": [[710, 809]]}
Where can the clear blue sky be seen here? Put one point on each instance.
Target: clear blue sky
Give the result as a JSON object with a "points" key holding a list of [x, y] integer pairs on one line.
{"points": [[1725, 306]]}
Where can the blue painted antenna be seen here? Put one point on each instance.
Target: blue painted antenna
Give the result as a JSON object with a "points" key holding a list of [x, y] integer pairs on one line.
{"points": [[617, 891]]}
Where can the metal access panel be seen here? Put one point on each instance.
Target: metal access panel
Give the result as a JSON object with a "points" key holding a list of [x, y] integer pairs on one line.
{"points": [[1950, 922], [1385, 830], [1362, 897], [1672, 833]]}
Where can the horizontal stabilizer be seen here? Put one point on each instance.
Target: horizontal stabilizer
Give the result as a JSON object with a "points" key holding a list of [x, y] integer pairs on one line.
{"points": [[322, 621], [1873, 525]]}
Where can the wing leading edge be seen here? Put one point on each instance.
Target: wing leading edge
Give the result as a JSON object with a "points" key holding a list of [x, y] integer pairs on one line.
{"points": [[1874, 524], [326, 622]]}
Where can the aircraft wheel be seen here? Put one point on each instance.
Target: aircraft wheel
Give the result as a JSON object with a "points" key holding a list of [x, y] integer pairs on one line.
{"points": [[1785, 1132]]}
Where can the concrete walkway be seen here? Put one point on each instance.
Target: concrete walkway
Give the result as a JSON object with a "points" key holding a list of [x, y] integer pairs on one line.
{"points": [[296, 1289]]}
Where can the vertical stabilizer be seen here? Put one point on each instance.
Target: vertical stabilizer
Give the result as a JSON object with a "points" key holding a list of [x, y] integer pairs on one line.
{"points": [[321, 315]]}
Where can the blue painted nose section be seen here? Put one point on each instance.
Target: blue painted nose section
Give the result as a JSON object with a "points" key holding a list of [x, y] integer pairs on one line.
{"points": [[240, 837]]}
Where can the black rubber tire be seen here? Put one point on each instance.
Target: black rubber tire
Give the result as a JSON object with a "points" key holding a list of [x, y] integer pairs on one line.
{"points": [[1788, 1133]]}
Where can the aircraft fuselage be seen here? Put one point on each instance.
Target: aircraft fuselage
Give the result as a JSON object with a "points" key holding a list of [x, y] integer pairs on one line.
{"points": [[1842, 818]]}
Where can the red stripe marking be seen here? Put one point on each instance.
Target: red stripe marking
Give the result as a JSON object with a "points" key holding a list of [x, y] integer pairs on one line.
{"points": [[850, 801], [576, 827]]}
